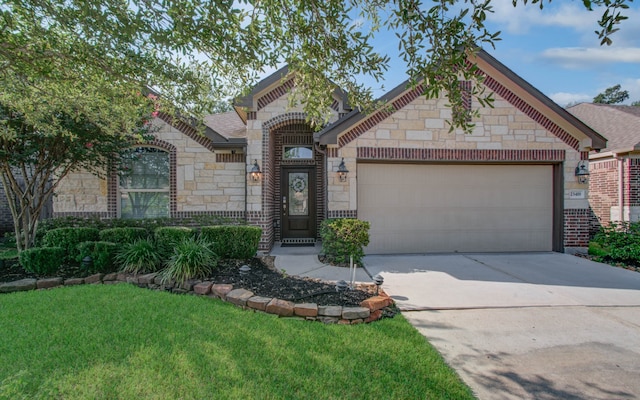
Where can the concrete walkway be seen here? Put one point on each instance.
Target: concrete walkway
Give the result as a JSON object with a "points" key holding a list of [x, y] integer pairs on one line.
{"points": [[524, 326], [303, 261]]}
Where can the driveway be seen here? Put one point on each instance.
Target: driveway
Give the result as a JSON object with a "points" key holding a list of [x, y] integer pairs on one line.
{"points": [[526, 325]]}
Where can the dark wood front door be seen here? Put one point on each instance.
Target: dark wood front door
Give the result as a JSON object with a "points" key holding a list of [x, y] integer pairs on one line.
{"points": [[298, 202]]}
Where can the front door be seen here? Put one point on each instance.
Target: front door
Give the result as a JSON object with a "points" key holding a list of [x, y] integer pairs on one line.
{"points": [[298, 202]]}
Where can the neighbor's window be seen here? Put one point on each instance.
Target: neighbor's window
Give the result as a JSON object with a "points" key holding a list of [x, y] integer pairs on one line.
{"points": [[144, 183], [293, 152]]}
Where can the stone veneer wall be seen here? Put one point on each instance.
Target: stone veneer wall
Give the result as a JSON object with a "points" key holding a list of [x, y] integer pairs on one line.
{"points": [[6, 220], [421, 125], [203, 182], [270, 114]]}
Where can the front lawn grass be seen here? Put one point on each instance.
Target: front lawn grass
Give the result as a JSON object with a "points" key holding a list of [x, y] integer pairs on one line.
{"points": [[121, 342]]}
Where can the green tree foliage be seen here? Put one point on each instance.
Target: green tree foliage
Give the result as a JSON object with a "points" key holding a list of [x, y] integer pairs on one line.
{"points": [[636, 103], [612, 95], [81, 55], [33, 161], [74, 70]]}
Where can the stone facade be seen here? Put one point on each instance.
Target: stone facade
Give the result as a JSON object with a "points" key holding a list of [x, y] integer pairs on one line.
{"points": [[202, 181], [421, 125], [520, 128]]}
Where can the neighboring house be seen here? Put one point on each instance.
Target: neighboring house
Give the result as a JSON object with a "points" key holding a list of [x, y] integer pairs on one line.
{"points": [[508, 186], [614, 181]]}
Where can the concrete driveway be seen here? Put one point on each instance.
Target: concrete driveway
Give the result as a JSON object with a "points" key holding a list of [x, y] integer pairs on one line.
{"points": [[526, 325]]}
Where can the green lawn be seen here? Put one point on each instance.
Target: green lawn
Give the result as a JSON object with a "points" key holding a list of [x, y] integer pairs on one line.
{"points": [[121, 342]]}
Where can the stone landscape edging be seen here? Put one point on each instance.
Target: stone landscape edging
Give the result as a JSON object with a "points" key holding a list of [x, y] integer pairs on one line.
{"points": [[369, 310]]}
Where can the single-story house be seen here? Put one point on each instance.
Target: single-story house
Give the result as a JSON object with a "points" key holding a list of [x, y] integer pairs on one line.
{"points": [[508, 186], [614, 181]]}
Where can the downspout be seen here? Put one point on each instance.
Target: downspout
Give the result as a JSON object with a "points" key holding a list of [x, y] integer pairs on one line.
{"points": [[621, 188], [325, 178], [246, 186]]}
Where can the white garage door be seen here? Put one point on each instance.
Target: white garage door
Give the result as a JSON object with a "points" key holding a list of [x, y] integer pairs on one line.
{"points": [[465, 208]]}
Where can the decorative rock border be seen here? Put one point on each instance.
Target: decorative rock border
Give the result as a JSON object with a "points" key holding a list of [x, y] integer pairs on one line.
{"points": [[369, 310]]}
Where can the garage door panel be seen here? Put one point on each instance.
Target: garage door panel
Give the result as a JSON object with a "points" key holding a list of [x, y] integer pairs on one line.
{"points": [[441, 208]]}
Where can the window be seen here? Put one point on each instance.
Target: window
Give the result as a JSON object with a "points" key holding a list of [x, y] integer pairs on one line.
{"points": [[144, 183], [297, 152]]}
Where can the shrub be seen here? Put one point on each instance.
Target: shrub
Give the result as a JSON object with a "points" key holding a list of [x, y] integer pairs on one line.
{"points": [[239, 242], [167, 237], [138, 257], [344, 237], [102, 255], [69, 238], [192, 258], [618, 243], [42, 260], [123, 235]]}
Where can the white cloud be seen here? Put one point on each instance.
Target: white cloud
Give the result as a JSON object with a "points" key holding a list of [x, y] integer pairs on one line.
{"points": [[580, 57], [521, 19], [564, 99], [633, 87], [524, 19]]}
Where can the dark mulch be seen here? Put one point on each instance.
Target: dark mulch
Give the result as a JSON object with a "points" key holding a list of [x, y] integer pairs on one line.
{"points": [[266, 281], [263, 280]]}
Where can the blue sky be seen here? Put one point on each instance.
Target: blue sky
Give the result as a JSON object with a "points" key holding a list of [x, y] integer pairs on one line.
{"points": [[556, 50]]}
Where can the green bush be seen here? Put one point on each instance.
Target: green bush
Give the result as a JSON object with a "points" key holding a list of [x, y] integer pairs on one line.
{"points": [[167, 237], [139, 257], [618, 243], [238, 242], [123, 235], [150, 224], [69, 238], [102, 256], [344, 237], [42, 260], [192, 258]]}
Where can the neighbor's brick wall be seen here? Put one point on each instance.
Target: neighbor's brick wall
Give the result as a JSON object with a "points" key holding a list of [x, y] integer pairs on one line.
{"points": [[603, 191]]}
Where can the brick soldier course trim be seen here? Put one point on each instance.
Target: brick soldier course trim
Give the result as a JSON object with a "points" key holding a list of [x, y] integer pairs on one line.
{"points": [[188, 130], [390, 153], [275, 94]]}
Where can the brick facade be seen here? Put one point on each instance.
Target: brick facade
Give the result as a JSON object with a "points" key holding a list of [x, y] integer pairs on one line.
{"points": [[605, 193]]}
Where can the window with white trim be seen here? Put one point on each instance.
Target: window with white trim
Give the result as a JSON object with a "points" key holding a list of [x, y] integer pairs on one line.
{"points": [[144, 184]]}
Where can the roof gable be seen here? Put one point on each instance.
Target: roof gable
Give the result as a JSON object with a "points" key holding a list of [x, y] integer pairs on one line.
{"points": [[272, 88], [499, 79]]}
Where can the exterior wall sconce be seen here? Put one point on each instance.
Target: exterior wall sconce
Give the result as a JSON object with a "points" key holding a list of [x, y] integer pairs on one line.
{"points": [[582, 172], [255, 171], [342, 171]]}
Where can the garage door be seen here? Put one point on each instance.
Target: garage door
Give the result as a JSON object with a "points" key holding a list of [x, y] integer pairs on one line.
{"points": [[465, 208]]}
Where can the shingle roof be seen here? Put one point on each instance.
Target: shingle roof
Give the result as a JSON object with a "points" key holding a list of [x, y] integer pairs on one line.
{"points": [[619, 124], [227, 124]]}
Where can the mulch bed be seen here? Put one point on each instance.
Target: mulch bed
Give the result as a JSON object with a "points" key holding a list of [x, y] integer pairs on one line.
{"points": [[263, 280]]}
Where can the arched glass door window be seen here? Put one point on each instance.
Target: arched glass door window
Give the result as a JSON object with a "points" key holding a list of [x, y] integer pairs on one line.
{"points": [[144, 183]]}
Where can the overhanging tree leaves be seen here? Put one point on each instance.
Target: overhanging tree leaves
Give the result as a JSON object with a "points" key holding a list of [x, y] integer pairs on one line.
{"points": [[65, 63], [33, 163], [197, 52]]}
